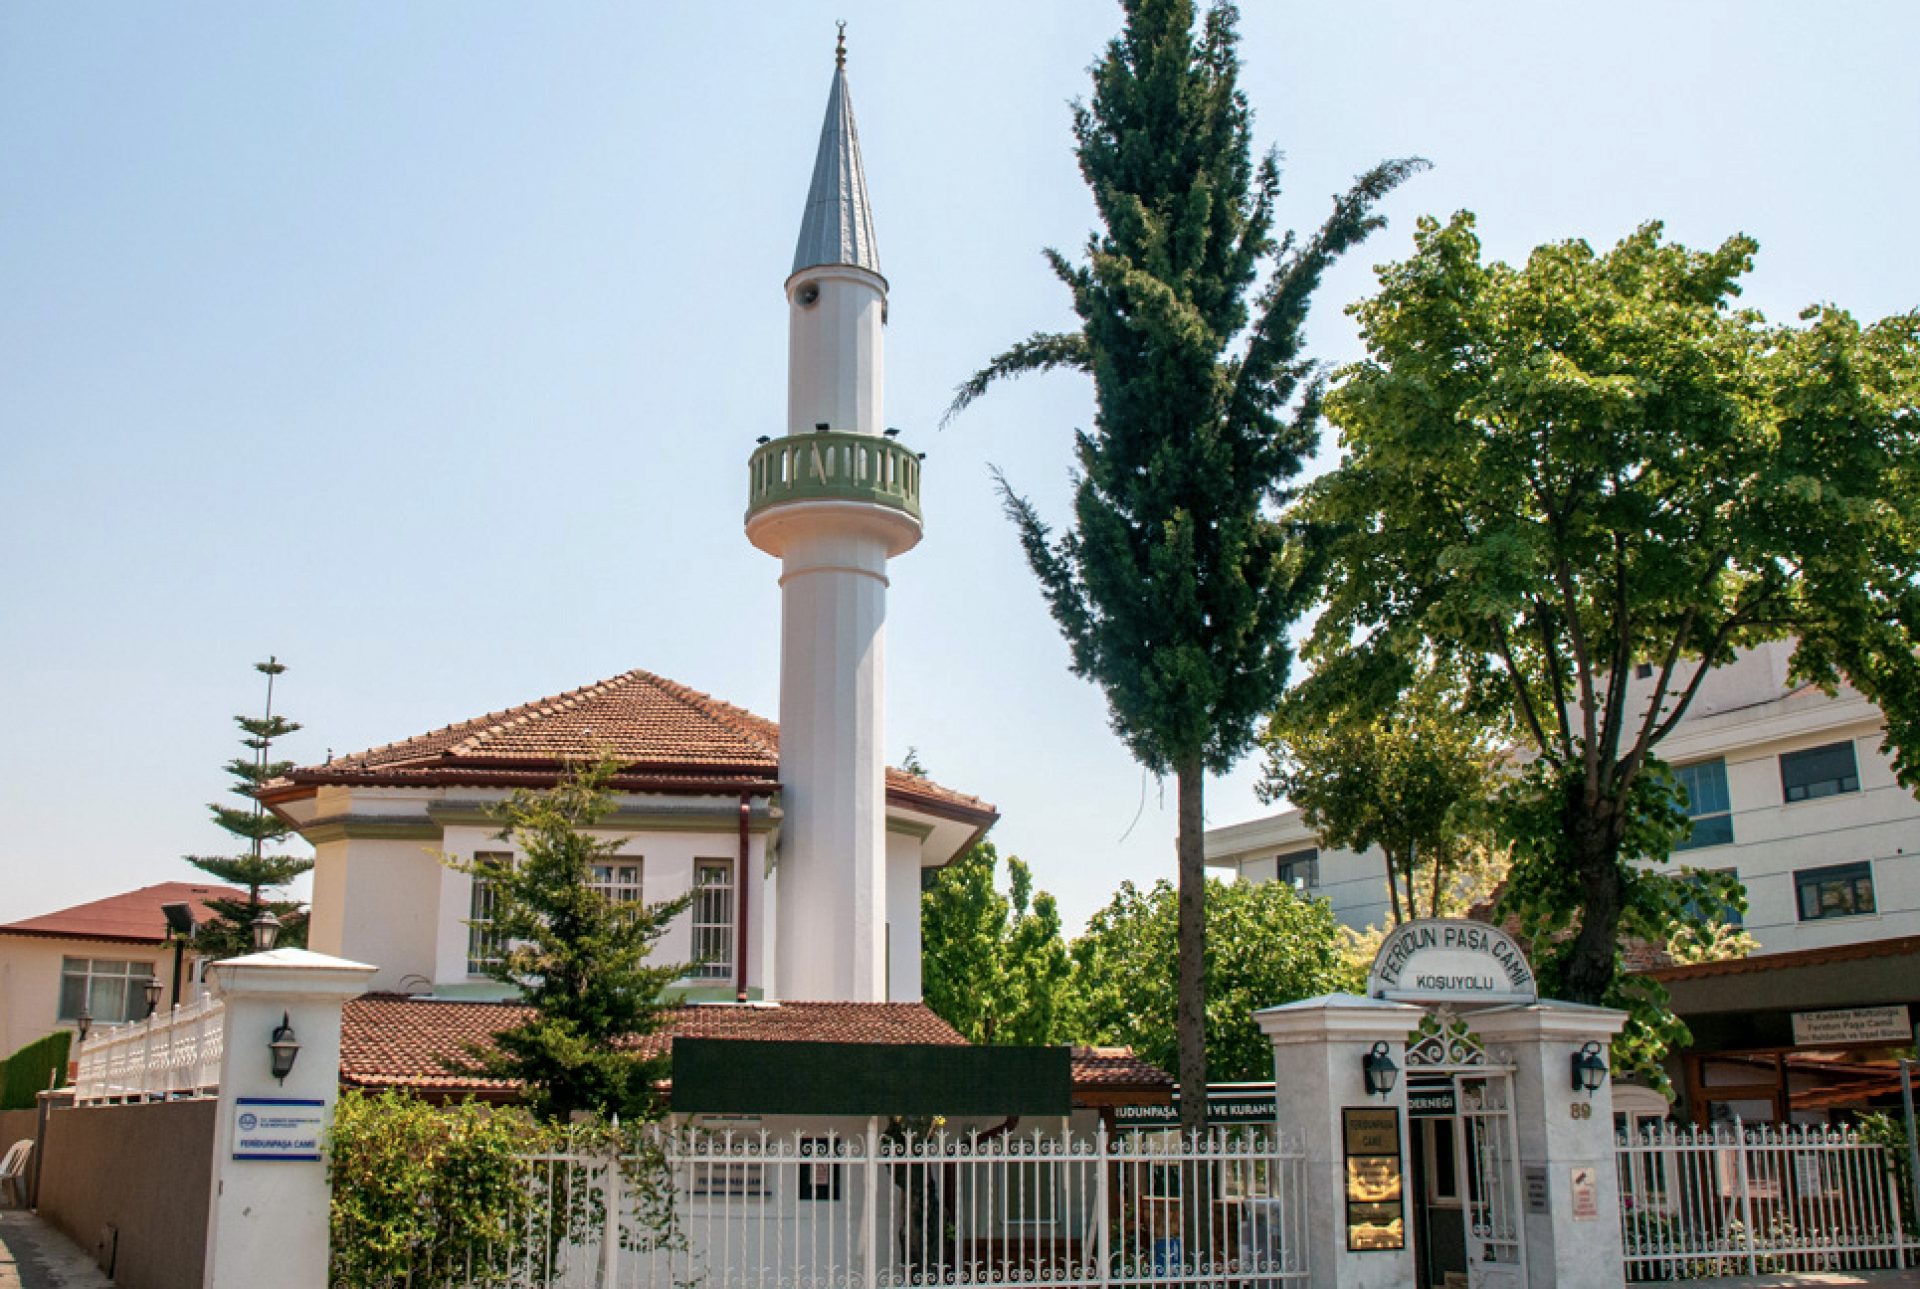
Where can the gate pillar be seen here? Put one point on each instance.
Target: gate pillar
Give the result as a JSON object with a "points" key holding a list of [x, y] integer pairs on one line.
{"points": [[267, 1224], [1570, 1203], [1319, 1046]]}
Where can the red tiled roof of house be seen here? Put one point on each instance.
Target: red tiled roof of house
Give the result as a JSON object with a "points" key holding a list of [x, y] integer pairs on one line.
{"points": [[131, 917], [390, 1040], [1897, 947], [667, 737], [1116, 1067]]}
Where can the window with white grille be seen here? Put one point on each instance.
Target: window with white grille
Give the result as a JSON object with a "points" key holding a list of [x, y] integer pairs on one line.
{"points": [[485, 946], [712, 919], [618, 880]]}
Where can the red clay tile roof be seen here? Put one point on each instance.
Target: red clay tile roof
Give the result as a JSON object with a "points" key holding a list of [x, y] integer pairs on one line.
{"points": [[1116, 1067], [668, 737], [1898, 947], [390, 1040], [132, 917]]}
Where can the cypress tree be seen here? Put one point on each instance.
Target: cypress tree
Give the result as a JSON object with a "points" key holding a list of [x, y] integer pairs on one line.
{"points": [[229, 933], [1177, 582]]}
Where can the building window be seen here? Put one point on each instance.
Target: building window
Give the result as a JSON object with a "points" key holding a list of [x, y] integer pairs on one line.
{"points": [[108, 990], [1819, 772], [1708, 805], [618, 880], [485, 946], [1299, 869], [1711, 907], [1842, 891], [712, 919]]}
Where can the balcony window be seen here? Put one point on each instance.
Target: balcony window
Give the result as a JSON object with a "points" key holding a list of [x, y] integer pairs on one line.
{"points": [[1841, 891], [1819, 772], [1705, 783]]}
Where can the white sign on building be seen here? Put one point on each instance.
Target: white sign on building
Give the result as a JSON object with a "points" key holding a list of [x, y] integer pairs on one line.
{"points": [[278, 1128], [1890, 1025], [1451, 960]]}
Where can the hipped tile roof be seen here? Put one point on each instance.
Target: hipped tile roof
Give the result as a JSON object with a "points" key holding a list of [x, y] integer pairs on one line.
{"points": [[131, 917], [389, 1040], [667, 737], [395, 1041]]}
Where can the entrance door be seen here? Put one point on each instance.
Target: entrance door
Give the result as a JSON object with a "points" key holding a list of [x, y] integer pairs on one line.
{"points": [[1438, 1186], [1490, 1161]]}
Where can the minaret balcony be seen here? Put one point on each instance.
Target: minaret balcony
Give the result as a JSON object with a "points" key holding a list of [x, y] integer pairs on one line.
{"points": [[833, 465]]}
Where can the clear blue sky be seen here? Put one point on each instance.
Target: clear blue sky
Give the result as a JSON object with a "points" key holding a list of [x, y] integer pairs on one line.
{"points": [[423, 344]]}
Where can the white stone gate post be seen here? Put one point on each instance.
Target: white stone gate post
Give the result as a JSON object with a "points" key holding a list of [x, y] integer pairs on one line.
{"points": [[1566, 1141], [267, 1223], [1318, 1049]]}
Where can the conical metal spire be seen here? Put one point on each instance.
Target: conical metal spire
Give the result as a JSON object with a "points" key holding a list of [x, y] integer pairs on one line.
{"points": [[838, 225]]}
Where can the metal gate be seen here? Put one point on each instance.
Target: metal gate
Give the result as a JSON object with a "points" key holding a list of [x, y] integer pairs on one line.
{"points": [[1496, 1245], [1487, 1146]]}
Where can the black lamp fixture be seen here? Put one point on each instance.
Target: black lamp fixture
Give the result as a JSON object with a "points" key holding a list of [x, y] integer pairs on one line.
{"points": [[153, 989], [1589, 1069], [83, 1022], [891, 432], [284, 1047], [1380, 1070], [266, 929], [764, 439]]}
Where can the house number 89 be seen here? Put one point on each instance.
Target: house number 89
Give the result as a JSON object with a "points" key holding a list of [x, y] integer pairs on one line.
{"points": [[1580, 1110]]}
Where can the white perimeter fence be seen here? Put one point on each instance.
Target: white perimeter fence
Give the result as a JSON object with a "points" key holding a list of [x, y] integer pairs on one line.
{"points": [[169, 1054], [1748, 1200], [755, 1211]]}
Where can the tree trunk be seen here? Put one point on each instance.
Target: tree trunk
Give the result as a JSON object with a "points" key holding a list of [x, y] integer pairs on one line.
{"points": [[1593, 848], [1190, 1011]]}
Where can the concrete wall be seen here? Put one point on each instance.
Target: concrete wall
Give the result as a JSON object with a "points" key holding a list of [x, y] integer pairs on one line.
{"points": [[144, 1169]]}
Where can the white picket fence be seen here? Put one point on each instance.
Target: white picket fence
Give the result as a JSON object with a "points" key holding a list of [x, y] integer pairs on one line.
{"points": [[1740, 1200], [755, 1211], [174, 1053]]}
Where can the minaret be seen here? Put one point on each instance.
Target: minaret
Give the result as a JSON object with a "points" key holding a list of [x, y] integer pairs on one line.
{"points": [[834, 499]]}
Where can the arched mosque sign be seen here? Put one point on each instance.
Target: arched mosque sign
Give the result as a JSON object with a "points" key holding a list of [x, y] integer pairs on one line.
{"points": [[1450, 960]]}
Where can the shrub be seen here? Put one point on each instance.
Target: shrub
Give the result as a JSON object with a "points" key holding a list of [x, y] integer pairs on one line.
{"points": [[40, 1065]]}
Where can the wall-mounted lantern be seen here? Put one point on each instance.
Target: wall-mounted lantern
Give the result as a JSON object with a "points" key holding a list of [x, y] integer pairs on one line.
{"points": [[1379, 1069], [152, 989], [284, 1046], [1589, 1069], [83, 1022]]}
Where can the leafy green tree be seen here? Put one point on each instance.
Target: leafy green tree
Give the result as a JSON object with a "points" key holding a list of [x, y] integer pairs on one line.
{"points": [[1265, 946], [1413, 779], [229, 933], [993, 966], [579, 960], [1176, 585], [1594, 464]]}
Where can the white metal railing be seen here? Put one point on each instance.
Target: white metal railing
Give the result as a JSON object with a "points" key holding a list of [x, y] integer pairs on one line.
{"points": [[1741, 1200], [170, 1054], [751, 1210]]}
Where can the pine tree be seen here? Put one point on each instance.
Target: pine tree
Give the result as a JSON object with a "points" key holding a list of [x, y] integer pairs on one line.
{"points": [[1178, 582], [578, 959], [230, 933]]}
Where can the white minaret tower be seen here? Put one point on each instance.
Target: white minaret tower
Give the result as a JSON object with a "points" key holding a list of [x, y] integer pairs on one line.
{"points": [[834, 499]]}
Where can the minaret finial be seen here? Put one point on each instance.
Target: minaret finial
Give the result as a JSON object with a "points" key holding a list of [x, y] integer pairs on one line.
{"points": [[840, 50]]}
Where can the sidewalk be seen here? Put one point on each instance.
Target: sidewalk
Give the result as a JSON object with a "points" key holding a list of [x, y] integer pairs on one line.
{"points": [[1908, 1279], [35, 1256]]}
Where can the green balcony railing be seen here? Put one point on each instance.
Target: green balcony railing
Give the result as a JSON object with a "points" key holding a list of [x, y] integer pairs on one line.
{"points": [[831, 465]]}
